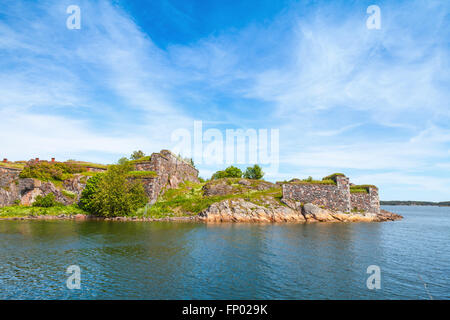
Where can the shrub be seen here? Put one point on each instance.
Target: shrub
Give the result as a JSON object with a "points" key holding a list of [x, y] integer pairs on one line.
{"points": [[46, 171], [123, 160], [254, 172], [47, 201], [136, 155], [89, 191], [333, 176], [230, 172], [115, 195]]}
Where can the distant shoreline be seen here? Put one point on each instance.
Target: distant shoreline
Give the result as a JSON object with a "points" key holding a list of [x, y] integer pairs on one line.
{"points": [[415, 203]]}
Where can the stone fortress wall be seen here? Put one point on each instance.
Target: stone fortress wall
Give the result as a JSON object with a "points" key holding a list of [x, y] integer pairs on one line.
{"points": [[333, 196], [169, 170]]}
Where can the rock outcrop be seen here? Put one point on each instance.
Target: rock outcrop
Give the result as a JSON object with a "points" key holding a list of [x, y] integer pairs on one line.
{"points": [[170, 171], [76, 184], [240, 210], [26, 190]]}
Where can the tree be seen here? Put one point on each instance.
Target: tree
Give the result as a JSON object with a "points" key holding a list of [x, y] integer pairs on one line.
{"points": [[230, 172], [136, 155], [114, 194], [254, 172], [88, 193], [122, 160]]}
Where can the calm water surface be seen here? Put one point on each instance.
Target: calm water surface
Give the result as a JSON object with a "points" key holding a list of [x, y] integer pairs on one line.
{"points": [[139, 260]]}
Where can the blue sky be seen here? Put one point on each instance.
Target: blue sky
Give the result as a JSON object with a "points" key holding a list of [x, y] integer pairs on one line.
{"points": [[373, 104]]}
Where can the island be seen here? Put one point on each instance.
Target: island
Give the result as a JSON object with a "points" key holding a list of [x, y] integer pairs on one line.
{"points": [[164, 186], [415, 203]]}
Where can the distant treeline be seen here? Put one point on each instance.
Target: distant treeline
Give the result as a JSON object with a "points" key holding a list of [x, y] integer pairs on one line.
{"points": [[415, 203]]}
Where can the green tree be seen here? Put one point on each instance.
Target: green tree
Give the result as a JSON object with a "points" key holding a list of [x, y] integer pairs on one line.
{"points": [[87, 196], [122, 160], [116, 195], [230, 172], [136, 155], [254, 172]]}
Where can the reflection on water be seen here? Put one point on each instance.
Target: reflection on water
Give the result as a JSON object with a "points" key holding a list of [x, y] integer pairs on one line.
{"points": [[141, 260]]}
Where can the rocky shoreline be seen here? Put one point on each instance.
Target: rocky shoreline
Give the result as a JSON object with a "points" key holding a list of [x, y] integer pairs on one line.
{"points": [[239, 211]]}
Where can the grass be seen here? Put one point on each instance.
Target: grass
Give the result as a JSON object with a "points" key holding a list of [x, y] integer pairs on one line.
{"points": [[90, 173], [25, 211], [89, 164], [69, 194], [307, 181], [142, 174], [363, 188], [12, 165], [188, 200], [143, 159]]}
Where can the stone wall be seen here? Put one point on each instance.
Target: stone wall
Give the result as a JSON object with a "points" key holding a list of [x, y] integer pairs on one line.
{"points": [[335, 197], [171, 171], [368, 202], [8, 175]]}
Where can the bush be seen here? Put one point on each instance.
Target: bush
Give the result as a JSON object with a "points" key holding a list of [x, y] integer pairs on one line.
{"points": [[89, 191], [254, 172], [230, 172], [47, 201], [333, 176], [136, 155], [46, 171], [123, 160], [114, 195]]}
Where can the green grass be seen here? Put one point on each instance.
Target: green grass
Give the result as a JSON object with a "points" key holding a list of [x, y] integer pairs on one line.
{"points": [[90, 173], [142, 174], [363, 188], [69, 194], [326, 182], [25, 211], [89, 164], [12, 165], [188, 200], [143, 159]]}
